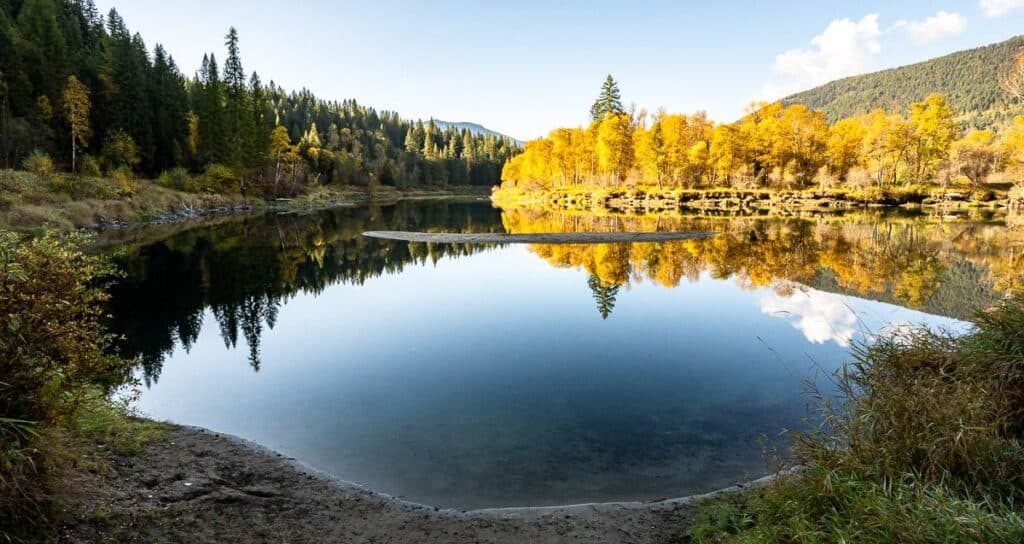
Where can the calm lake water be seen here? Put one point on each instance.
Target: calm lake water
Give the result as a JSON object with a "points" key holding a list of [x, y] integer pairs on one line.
{"points": [[468, 376]]}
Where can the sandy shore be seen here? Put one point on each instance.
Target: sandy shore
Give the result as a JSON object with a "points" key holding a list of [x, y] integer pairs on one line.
{"points": [[201, 486]]}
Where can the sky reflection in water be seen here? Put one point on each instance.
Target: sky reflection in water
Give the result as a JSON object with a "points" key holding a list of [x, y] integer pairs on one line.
{"points": [[493, 379]]}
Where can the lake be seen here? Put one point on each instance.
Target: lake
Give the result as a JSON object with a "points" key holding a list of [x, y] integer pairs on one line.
{"points": [[473, 376]]}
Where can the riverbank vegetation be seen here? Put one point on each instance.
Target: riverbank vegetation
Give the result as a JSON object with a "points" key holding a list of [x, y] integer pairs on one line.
{"points": [[33, 201], [80, 93], [924, 445], [56, 376], [877, 156]]}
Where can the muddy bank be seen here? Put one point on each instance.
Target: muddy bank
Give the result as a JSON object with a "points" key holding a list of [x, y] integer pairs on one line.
{"points": [[200, 486]]}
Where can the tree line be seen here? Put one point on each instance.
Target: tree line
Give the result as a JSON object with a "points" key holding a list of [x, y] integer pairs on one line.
{"points": [[243, 271], [772, 145], [87, 93]]}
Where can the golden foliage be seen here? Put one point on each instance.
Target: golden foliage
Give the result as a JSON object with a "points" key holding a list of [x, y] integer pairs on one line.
{"points": [[771, 146]]}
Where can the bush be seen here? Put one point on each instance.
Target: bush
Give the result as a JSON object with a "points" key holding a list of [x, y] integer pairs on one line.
{"points": [[39, 163], [125, 180], [54, 358], [89, 166], [178, 179], [119, 151], [219, 178]]}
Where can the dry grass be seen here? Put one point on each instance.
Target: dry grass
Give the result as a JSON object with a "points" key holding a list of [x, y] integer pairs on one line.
{"points": [[924, 444], [62, 202]]}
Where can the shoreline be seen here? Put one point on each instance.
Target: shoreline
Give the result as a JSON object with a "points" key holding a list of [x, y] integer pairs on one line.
{"points": [[33, 202], [340, 200], [204, 485], [503, 511], [645, 200]]}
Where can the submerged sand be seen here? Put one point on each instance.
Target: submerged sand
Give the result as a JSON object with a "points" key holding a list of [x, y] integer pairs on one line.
{"points": [[537, 238], [201, 486]]}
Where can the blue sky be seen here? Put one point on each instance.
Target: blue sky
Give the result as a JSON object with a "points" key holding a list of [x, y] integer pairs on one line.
{"points": [[525, 67]]}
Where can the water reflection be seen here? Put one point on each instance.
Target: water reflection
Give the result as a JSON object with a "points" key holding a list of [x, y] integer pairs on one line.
{"points": [[477, 376], [243, 271], [820, 316]]}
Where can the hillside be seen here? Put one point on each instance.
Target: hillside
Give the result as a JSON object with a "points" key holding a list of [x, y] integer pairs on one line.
{"points": [[473, 128], [970, 79]]}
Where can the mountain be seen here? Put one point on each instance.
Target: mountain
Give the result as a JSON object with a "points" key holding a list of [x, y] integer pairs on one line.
{"points": [[969, 79], [473, 128]]}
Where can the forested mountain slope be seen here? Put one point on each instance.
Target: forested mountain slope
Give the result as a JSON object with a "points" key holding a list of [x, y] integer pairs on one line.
{"points": [[81, 89], [969, 79], [473, 128]]}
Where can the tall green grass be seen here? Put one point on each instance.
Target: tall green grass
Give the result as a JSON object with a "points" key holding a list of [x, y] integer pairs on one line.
{"points": [[923, 444]]}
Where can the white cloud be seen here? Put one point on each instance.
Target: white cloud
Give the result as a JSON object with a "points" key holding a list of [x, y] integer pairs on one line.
{"points": [[997, 8], [820, 316], [844, 48], [941, 25]]}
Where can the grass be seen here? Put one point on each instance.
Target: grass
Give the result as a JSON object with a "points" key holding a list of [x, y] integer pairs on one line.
{"points": [[33, 202], [30, 201], [111, 425], [81, 444], [924, 444]]}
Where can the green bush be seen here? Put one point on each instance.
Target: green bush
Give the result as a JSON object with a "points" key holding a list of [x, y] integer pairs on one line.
{"points": [[220, 178], [119, 151], [178, 179], [54, 360], [39, 163], [89, 166], [79, 187], [124, 179]]}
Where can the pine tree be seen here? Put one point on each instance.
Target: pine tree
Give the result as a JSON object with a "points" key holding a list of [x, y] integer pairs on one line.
{"points": [[257, 133], [43, 46], [213, 139], [235, 97], [170, 110], [608, 102], [604, 295]]}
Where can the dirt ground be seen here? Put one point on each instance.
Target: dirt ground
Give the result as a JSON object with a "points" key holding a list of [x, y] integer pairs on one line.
{"points": [[199, 486]]}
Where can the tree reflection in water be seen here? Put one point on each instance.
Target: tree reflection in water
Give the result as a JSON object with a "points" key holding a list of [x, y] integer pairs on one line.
{"points": [[244, 271]]}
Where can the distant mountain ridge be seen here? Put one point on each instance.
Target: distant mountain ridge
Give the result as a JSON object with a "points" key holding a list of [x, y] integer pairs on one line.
{"points": [[473, 128], [969, 79]]}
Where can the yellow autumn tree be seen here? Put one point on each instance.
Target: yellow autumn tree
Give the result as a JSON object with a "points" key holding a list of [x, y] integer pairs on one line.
{"points": [[75, 100], [615, 147], [935, 130]]}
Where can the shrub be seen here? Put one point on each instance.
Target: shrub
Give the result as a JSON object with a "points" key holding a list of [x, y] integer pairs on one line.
{"points": [[119, 151], [54, 357], [39, 163], [124, 178], [178, 179], [89, 166], [220, 178]]}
